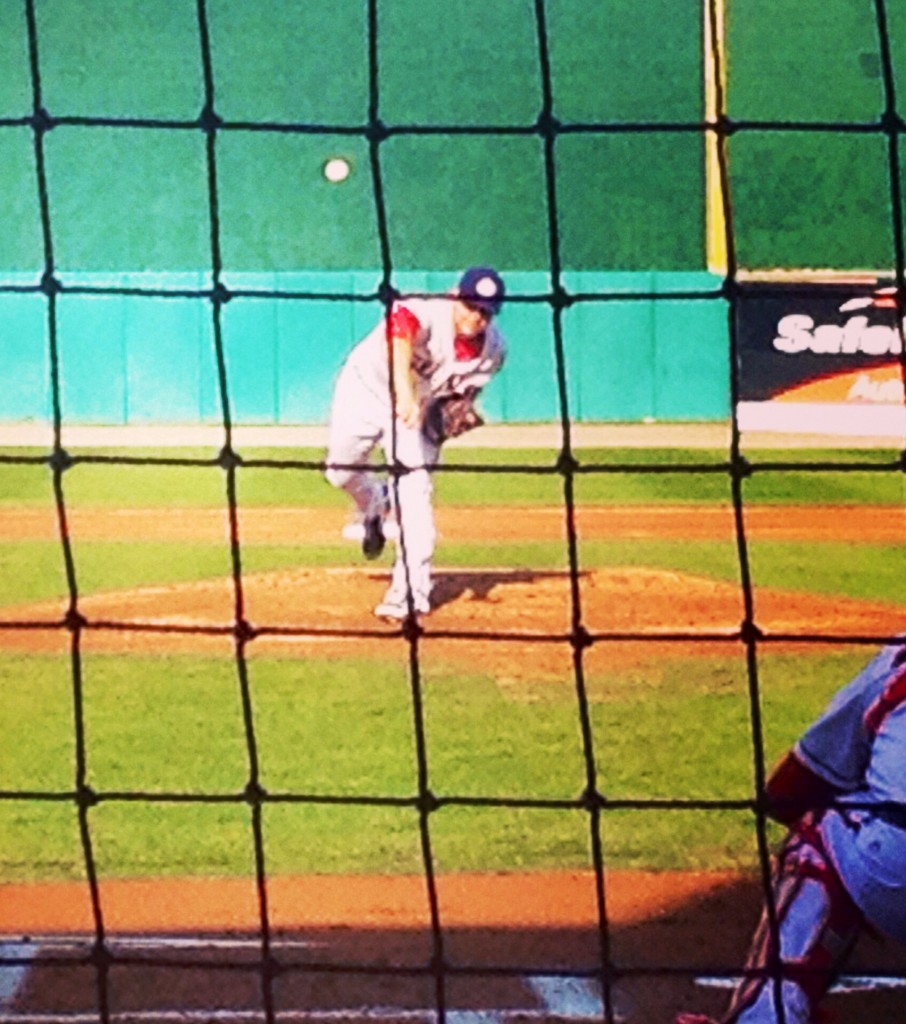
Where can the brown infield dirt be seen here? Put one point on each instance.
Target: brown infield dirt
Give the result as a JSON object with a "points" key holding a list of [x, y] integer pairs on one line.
{"points": [[691, 923]]}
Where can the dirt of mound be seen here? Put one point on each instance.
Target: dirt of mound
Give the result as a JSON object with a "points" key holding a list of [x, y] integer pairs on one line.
{"points": [[514, 623]]}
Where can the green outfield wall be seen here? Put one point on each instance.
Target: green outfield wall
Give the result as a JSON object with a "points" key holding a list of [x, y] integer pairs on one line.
{"points": [[139, 359], [571, 142]]}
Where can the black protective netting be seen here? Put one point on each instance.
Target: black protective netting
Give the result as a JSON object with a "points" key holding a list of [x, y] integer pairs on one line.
{"points": [[569, 467]]}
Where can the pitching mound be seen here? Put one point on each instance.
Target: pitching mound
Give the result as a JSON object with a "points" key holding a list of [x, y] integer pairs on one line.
{"points": [[511, 622]]}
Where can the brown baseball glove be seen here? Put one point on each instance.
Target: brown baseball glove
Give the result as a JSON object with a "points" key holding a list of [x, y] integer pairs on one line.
{"points": [[450, 416]]}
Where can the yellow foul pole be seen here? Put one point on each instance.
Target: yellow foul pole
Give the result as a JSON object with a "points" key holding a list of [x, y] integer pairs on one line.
{"points": [[715, 61]]}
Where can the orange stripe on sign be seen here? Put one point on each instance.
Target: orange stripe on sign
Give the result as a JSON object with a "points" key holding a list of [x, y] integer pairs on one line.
{"points": [[882, 384]]}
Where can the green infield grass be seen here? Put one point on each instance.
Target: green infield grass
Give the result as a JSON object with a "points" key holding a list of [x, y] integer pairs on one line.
{"points": [[611, 476], [34, 570], [165, 751], [165, 741]]}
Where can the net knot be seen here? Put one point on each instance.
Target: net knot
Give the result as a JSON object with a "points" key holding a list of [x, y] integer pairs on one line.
{"points": [[892, 123], [86, 797], [581, 639], [591, 800], [271, 967], [100, 956], [412, 628], [387, 294], [254, 794], [209, 120], [740, 467], [60, 460], [41, 121], [74, 620], [50, 284], [438, 965], [220, 294], [229, 459], [567, 464], [244, 631], [377, 131], [427, 803], [547, 125], [749, 632], [726, 126]]}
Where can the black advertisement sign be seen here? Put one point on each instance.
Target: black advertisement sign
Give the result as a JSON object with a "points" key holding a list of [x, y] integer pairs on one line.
{"points": [[833, 342]]}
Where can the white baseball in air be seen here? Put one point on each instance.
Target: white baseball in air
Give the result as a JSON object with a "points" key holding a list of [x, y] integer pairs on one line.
{"points": [[336, 169]]}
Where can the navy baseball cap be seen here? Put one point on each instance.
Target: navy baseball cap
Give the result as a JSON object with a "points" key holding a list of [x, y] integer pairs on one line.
{"points": [[482, 288]]}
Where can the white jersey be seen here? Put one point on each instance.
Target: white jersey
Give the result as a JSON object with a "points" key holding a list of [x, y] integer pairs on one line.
{"points": [[859, 746], [437, 370]]}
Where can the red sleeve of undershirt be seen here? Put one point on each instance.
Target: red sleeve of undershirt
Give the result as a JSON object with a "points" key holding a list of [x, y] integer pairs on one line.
{"points": [[403, 323], [793, 789]]}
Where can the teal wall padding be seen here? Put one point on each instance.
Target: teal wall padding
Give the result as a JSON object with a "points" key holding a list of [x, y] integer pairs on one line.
{"points": [[24, 357], [610, 349], [691, 358], [127, 358]]}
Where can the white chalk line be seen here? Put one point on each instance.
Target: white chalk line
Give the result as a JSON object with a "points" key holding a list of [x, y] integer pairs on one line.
{"points": [[561, 998], [84, 943], [13, 975], [845, 984], [366, 1013], [575, 998], [350, 1014]]}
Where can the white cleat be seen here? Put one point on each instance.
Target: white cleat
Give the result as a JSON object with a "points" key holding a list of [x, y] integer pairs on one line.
{"points": [[397, 611]]}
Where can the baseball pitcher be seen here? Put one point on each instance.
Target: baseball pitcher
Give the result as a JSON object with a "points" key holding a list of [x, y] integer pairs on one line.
{"points": [[408, 386]]}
